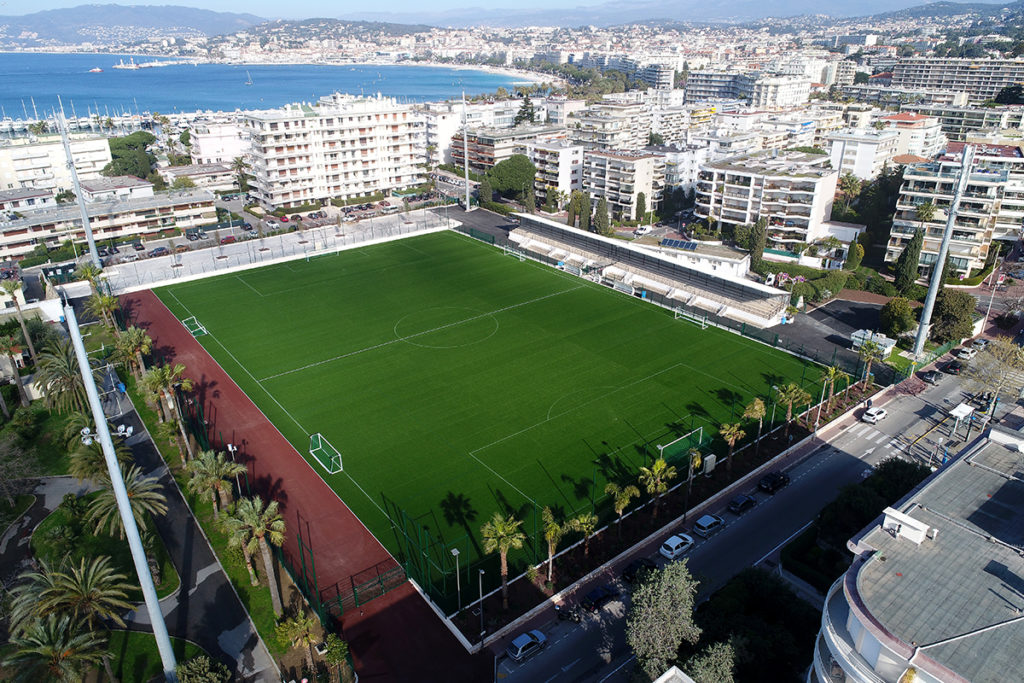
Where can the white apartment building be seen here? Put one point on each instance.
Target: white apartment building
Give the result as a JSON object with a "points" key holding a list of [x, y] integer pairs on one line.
{"points": [[559, 167], [609, 126], [490, 146], [683, 164], [559, 109], [620, 176], [780, 92], [717, 85], [792, 190], [116, 187], [958, 122], [40, 163], [862, 152], [218, 143], [342, 147], [212, 177], [445, 119], [25, 199], [930, 596], [839, 73], [981, 79], [919, 135]]}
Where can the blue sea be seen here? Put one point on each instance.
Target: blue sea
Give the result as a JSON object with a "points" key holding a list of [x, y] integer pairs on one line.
{"points": [[217, 87]]}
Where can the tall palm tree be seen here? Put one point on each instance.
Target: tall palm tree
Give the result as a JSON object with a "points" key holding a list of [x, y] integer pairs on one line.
{"points": [[10, 288], [791, 395], [621, 498], [161, 381], [553, 532], [239, 165], [241, 537], [731, 433], [502, 534], [91, 273], [87, 463], [10, 347], [655, 480], [55, 648], [830, 375], [210, 473], [300, 631], [925, 212], [144, 496], [132, 345], [694, 458], [756, 411], [24, 606], [586, 524], [102, 306], [58, 374], [868, 352], [261, 526]]}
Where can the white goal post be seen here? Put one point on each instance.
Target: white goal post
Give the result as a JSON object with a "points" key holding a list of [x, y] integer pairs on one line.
{"points": [[680, 314], [194, 327], [512, 251], [325, 454]]}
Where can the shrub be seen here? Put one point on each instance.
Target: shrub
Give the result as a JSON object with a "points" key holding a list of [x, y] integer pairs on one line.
{"points": [[1006, 321], [879, 285]]}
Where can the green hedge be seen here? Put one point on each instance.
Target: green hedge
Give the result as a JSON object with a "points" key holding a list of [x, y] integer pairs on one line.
{"points": [[452, 168], [369, 199], [497, 208], [972, 281], [295, 209]]}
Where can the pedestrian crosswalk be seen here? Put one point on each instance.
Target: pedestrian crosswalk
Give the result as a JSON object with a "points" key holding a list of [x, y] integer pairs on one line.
{"points": [[866, 432]]}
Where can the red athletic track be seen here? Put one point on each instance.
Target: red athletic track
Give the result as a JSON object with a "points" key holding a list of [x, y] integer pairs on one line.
{"points": [[394, 638]]}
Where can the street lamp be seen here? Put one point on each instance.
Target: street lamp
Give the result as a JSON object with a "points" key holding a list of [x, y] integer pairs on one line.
{"points": [[482, 605], [458, 581], [232, 449]]}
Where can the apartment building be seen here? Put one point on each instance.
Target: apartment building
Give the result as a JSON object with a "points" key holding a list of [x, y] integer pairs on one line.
{"points": [[135, 215], [792, 190], [118, 187], [342, 147], [611, 125], [40, 163], [839, 73], [779, 92], [958, 122], [704, 85], [559, 167], [212, 177], [444, 119], [658, 76], [887, 96], [863, 152], [559, 109], [25, 199], [932, 594], [981, 79], [992, 207], [919, 135], [218, 143], [683, 164], [487, 147], [620, 176]]}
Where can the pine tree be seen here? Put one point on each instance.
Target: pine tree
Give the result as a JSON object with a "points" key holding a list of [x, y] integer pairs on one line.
{"points": [[530, 201], [485, 191], [572, 208], [585, 212], [601, 222], [641, 206], [758, 239], [906, 265], [854, 256]]}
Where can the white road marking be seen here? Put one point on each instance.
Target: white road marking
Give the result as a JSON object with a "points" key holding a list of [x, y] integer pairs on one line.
{"points": [[868, 452], [881, 437], [570, 665]]}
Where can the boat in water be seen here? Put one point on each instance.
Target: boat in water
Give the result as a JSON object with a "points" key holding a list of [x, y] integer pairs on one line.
{"points": [[97, 70], [248, 78], [131, 65]]}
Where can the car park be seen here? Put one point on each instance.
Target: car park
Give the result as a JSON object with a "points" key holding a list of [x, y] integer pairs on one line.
{"points": [[636, 569], [932, 376], [741, 504], [676, 546], [874, 415], [966, 353], [954, 368], [526, 645], [773, 481], [708, 525], [599, 597]]}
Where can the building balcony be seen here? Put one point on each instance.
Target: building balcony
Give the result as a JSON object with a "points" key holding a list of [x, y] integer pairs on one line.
{"points": [[839, 642]]}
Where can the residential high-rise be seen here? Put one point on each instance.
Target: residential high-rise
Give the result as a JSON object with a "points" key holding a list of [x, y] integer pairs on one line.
{"points": [[621, 176], [41, 163], [918, 135], [960, 121], [490, 146], [610, 125], [559, 167], [863, 152], [218, 143], [981, 79]]}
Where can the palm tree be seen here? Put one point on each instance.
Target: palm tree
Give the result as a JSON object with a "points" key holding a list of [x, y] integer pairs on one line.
{"points": [[239, 165], [621, 497], [60, 378], [586, 524], [925, 212], [10, 288], [87, 463], [55, 648], [655, 479], [553, 532], [10, 347], [260, 527], [300, 631], [211, 473], [144, 496], [830, 375], [161, 381], [24, 606], [132, 345], [502, 534], [102, 306], [756, 411], [731, 433], [868, 352], [241, 537], [92, 273], [693, 462], [791, 395]]}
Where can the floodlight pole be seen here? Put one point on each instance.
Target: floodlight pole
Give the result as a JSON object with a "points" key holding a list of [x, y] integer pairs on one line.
{"points": [[131, 530], [93, 254], [458, 581], [482, 631], [465, 148]]}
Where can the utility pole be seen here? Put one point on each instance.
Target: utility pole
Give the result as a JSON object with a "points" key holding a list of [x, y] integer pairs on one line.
{"points": [[465, 148], [933, 289], [63, 125], [131, 530]]}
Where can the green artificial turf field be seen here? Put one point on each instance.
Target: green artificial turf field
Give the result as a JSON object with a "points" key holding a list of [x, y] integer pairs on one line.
{"points": [[458, 381]]}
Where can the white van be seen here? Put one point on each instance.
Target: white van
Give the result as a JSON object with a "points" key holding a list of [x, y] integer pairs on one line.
{"points": [[642, 230]]}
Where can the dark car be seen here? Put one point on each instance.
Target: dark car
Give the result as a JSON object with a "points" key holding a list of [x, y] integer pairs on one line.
{"points": [[741, 504], [102, 251], [932, 376], [192, 236], [137, 246], [159, 251], [773, 481], [954, 368], [638, 568], [114, 249], [599, 597]]}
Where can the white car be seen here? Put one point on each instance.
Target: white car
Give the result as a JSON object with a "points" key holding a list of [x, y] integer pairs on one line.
{"points": [[874, 415], [676, 546], [966, 353]]}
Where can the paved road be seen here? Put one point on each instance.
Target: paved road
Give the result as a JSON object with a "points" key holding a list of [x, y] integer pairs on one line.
{"points": [[596, 650]]}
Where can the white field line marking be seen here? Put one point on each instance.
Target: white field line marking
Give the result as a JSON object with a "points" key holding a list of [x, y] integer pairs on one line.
{"points": [[418, 334], [258, 292]]}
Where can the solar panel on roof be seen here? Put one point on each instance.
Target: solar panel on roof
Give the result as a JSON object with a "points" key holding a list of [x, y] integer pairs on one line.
{"points": [[680, 244], [671, 243]]}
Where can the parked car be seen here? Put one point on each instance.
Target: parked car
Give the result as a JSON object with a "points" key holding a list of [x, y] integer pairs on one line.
{"points": [[599, 597], [954, 368], [773, 481], [874, 415], [159, 251], [102, 251], [526, 645], [252, 234], [247, 225], [285, 219], [676, 546], [741, 504], [227, 239], [642, 230], [966, 353], [980, 343], [137, 246], [193, 236], [637, 568], [114, 249], [708, 525], [932, 376], [181, 249], [202, 234]]}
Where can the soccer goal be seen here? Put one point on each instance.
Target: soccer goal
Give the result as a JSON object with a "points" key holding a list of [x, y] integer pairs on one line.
{"points": [[194, 327], [512, 251], [325, 454], [680, 314]]}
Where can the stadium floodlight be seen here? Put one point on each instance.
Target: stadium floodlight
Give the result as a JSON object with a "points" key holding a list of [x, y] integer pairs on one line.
{"points": [[458, 583]]}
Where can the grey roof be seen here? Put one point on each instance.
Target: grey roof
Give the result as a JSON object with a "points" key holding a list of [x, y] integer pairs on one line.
{"points": [[970, 576], [113, 183], [23, 193]]}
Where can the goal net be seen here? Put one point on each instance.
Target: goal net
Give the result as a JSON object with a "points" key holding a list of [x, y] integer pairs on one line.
{"points": [[325, 454], [194, 327], [512, 251], [701, 320]]}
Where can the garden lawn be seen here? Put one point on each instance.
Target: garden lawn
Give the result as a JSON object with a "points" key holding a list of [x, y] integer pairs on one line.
{"points": [[134, 655], [457, 382]]}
